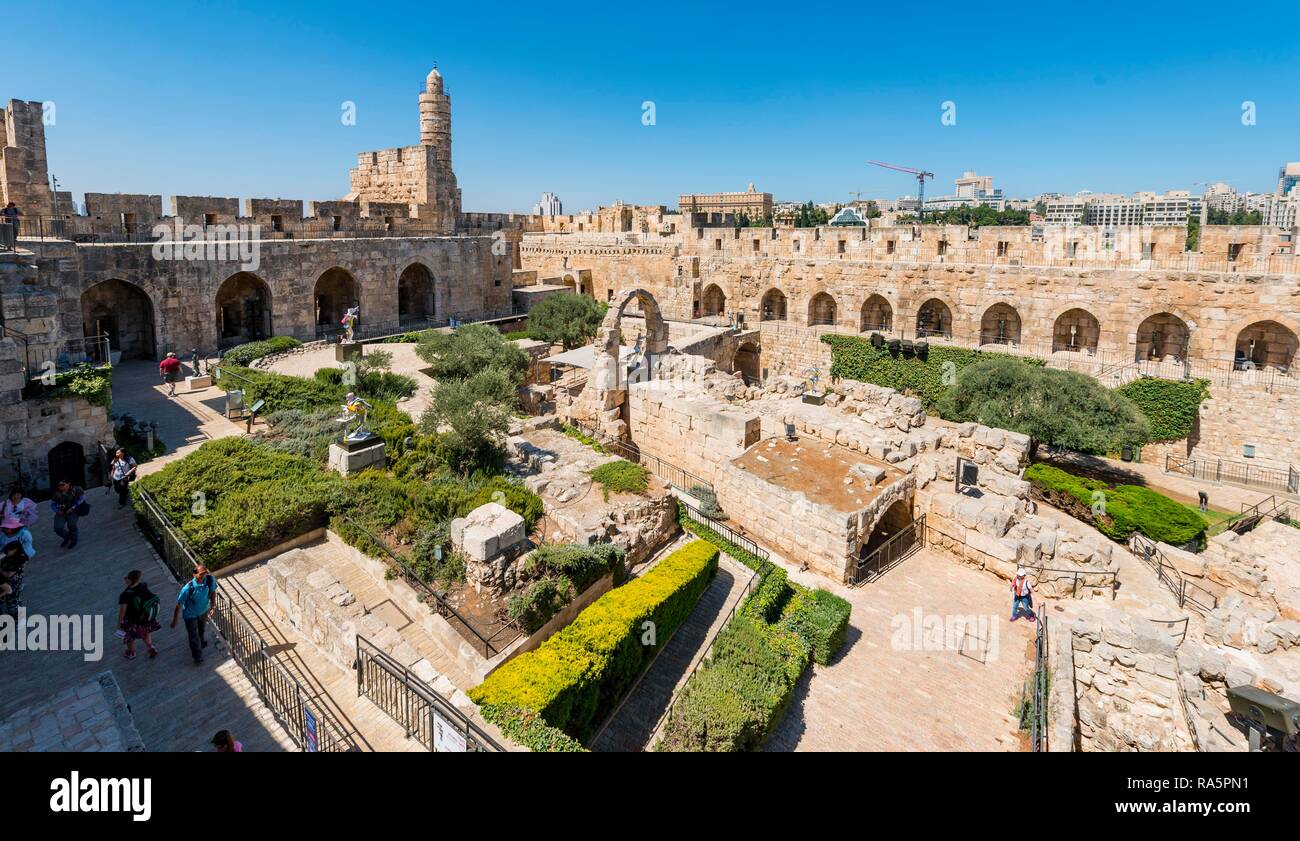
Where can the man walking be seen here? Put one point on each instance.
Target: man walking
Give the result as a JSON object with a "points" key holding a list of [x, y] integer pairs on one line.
{"points": [[194, 604], [123, 472], [9, 215], [1022, 593], [66, 502], [170, 370]]}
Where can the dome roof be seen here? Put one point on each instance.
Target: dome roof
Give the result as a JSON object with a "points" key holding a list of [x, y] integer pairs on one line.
{"points": [[433, 83]]}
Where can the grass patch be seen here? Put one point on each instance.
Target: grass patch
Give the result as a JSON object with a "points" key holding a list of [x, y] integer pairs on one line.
{"points": [[621, 476]]}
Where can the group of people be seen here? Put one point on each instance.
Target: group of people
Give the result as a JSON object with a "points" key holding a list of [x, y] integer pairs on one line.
{"points": [[137, 612]]}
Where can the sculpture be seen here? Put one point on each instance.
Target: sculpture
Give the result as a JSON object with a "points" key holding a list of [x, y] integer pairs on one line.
{"points": [[355, 409], [349, 322]]}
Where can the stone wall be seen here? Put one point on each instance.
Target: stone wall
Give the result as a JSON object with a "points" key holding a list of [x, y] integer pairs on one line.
{"points": [[1230, 420]]}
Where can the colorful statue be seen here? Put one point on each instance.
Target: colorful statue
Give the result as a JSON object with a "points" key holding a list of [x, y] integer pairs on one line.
{"points": [[355, 410], [349, 322]]}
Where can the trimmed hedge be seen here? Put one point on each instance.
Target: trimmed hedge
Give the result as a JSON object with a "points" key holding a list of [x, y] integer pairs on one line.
{"points": [[733, 551], [575, 678], [821, 618], [1128, 508], [527, 728], [244, 354], [1170, 406]]}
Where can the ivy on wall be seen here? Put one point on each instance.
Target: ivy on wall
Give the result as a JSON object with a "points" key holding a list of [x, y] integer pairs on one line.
{"points": [[1170, 406]]}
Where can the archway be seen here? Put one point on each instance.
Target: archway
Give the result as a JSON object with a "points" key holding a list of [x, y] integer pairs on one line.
{"points": [[933, 318], [773, 306], [67, 461], [893, 528], [1076, 330], [1266, 344], [603, 401], [1000, 325], [335, 292], [821, 310], [1162, 336], [415, 301], [749, 362], [714, 301], [243, 310], [124, 313], [877, 315]]}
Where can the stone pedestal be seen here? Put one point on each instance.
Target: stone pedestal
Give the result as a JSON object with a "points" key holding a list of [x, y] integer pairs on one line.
{"points": [[353, 459], [198, 383], [491, 539], [344, 351]]}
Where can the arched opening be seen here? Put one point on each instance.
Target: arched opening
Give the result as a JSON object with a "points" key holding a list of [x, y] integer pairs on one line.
{"points": [[821, 309], [773, 306], [934, 319], [895, 524], [749, 362], [243, 310], [1266, 344], [1074, 331], [123, 312], [1163, 336], [714, 300], [335, 293], [67, 461], [1000, 325], [415, 304], [877, 315]]}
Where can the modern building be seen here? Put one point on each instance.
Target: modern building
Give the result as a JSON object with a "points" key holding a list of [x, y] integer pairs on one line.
{"points": [[1111, 210], [549, 205], [750, 202], [1288, 178]]}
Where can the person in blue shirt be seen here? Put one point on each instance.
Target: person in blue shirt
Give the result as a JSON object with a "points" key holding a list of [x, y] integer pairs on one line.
{"points": [[194, 603], [16, 532]]}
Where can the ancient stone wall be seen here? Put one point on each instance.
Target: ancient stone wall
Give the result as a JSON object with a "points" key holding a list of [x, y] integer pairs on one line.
{"points": [[1233, 418], [24, 172]]}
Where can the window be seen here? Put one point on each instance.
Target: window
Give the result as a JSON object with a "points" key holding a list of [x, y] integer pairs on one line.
{"points": [[756, 246], [943, 247], [209, 219], [1234, 251], [1074, 249], [277, 223], [388, 226], [717, 244], [798, 246], [839, 247], [889, 246], [1002, 247], [338, 223]]}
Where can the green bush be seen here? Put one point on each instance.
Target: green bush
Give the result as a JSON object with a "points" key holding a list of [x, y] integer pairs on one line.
{"points": [[578, 435], [540, 601], [709, 506], [243, 355], [621, 476], [469, 349], [527, 728], [581, 563], [1128, 508], [1170, 406], [769, 598], [567, 318], [821, 618], [576, 677], [93, 384]]}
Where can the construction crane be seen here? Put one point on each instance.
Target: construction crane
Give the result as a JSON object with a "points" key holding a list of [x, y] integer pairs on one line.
{"points": [[920, 174]]}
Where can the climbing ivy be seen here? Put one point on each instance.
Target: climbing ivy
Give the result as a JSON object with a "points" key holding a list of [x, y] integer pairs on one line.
{"points": [[1170, 406]]}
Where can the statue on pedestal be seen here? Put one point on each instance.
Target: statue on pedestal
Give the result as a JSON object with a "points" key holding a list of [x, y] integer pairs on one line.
{"points": [[349, 322], [355, 410]]}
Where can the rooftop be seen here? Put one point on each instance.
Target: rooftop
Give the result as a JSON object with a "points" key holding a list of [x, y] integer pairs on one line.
{"points": [[822, 472]]}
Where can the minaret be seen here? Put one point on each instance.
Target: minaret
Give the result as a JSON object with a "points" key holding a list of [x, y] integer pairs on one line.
{"points": [[435, 117]]}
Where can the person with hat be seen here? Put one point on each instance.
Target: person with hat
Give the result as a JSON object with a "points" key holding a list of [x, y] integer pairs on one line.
{"points": [[18, 505], [16, 532], [170, 370], [1022, 595], [12, 562]]}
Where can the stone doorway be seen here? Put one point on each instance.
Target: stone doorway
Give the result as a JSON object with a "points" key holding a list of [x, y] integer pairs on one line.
{"points": [[123, 312], [749, 362], [335, 293], [67, 461], [243, 310]]}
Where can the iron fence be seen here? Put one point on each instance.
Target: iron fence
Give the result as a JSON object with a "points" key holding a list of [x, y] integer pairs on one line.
{"points": [[1286, 479], [728, 534], [1040, 688], [896, 548], [681, 479], [1084, 578], [1188, 593], [408, 700]]}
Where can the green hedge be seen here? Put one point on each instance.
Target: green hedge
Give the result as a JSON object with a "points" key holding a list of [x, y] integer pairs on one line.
{"points": [[527, 728], [94, 384], [854, 358], [244, 354], [821, 618], [1170, 406], [1128, 508], [703, 532], [576, 677]]}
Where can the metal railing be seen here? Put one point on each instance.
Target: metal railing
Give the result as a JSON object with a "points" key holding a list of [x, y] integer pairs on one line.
{"points": [[889, 554], [728, 534], [57, 357], [308, 723], [93, 230], [1085, 578], [682, 480], [489, 645], [1040, 687], [424, 714], [1253, 515], [1188, 593], [1286, 479]]}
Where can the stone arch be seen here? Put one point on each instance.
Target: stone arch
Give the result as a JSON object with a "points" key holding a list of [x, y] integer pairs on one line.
{"points": [[1076, 330], [656, 330], [66, 461], [1000, 325], [416, 302], [773, 306], [603, 400], [243, 305], [934, 318], [749, 361], [1265, 344], [124, 312], [821, 310], [336, 290], [877, 315], [1162, 335], [713, 301]]}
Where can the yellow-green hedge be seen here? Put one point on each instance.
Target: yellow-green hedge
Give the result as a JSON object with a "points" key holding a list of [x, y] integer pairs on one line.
{"points": [[575, 678]]}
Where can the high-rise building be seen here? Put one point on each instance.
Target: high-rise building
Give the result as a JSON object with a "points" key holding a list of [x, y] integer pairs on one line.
{"points": [[1288, 178], [550, 205]]}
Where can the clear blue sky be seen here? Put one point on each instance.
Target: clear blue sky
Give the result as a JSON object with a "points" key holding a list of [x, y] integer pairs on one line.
{"points": [[244, 99]]}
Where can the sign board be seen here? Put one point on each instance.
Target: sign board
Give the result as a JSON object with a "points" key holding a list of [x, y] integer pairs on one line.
{"points": [[309, 732], [446, 738]]}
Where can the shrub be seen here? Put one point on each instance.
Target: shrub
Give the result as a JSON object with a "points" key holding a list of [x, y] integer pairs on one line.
{"points": [[1127, 508], [95, 385], [621, 476], [469, 349], [821, 618], [527, 728], [577, 676], [540, 601], [582, 564], [578, 435], [769, 598], [709, 506], [567, 318], [1170, 406], [244, 354], [473, 416]]}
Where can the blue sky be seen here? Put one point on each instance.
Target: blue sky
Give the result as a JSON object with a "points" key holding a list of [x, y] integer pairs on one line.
{"points": [[244, 99]]}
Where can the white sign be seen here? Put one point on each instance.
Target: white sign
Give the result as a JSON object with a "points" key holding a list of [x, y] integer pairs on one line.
{"points": [[447, 739]]}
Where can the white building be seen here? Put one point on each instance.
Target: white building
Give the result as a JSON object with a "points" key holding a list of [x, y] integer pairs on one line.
{"points": [[550, 205]]}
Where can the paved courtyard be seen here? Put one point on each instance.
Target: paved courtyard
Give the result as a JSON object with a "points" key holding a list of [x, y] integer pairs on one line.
{"points": [[883, 694]]}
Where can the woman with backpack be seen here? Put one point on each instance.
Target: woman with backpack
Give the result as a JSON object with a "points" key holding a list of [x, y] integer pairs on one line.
{"points": [[137, 614]]}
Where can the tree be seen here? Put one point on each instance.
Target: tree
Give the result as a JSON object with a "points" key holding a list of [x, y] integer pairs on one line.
{"points": [[472, 416], [569, 319], [470, 349], [1060, 408]]}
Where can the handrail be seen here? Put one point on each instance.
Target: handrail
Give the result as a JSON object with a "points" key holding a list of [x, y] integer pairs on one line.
{"points": [[657, 465], [861, 572], [1077, 573], [1041, 679], [1150, 553], [1236, 473]]}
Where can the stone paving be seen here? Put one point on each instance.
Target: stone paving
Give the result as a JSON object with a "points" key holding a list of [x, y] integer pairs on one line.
{"points": [[884, 693], [91, 717]]}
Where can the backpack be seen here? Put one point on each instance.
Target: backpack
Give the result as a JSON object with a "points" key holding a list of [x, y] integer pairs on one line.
{"points": [[82, 508], [144, 606]]}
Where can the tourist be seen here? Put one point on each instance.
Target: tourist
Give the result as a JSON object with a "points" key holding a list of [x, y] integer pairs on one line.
{"points": [[123, 472], [9, 215], [12, 563], [137, 614], [224, 742], [1204, 500], [19, 506], [69, 504], [1022, 593], [194, 603], [16, 532], [170, 370]]}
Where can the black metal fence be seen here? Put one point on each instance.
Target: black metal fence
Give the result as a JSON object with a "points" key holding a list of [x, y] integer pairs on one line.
{"points": [[295, 707], [408, 700], [728, 534], [1286, 479], [1080, 579], [682, 480], [1188, 593], [889, 554], [1039, 690]]}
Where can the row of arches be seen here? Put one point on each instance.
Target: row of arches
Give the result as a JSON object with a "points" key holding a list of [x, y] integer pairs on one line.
{"points": [[1162, 336], [243, 308]]}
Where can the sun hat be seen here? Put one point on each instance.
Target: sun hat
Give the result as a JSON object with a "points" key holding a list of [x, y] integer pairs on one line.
{"points": [[11, 522]]}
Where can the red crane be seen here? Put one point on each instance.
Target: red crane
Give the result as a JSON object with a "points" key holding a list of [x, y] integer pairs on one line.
{"points": [[920, 174]]}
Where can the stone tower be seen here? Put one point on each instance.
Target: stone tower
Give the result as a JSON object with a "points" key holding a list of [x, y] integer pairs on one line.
{"points": [[435, 116]]}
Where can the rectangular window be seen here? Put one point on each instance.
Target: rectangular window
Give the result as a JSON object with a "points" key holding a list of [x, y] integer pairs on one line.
{"points": [[840, 247], [277, 223], [756, 246], [1002, 248], [943, 247], [1234, 251], [209, 219], [798, 246], [717, 244], [889, 246]]}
